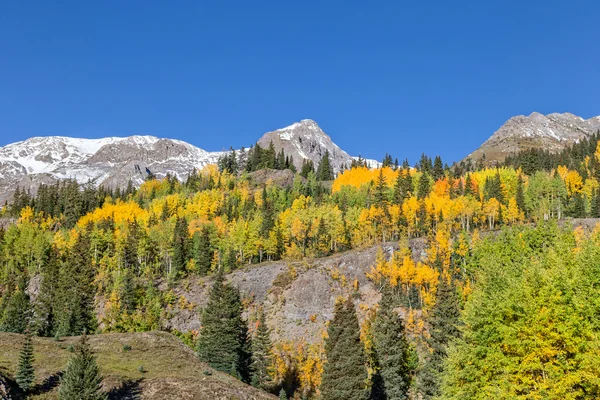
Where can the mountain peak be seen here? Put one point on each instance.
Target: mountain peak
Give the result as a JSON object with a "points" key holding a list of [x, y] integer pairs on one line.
{"points": [[553, 132], [306, 140]]}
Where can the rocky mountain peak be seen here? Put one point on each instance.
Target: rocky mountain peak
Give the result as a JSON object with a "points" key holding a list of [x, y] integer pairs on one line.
{"points": [[552, 132], [306, 140]]}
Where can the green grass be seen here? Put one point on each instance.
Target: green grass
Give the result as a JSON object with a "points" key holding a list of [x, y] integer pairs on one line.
{"points": [[171, 369]]}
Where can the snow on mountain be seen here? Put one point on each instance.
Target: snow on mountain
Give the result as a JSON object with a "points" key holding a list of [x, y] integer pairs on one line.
{"points": [[552, 132], [113, 161]]}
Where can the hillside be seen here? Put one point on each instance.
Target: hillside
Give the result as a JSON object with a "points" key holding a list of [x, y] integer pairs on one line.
{"points": [[552, 132], [172, 370]]}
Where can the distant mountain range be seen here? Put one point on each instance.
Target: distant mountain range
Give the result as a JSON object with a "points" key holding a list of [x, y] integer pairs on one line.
{"points": [[114, 161], [553, 132]]}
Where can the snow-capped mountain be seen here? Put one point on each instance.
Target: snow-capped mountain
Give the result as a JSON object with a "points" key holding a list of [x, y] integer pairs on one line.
{"points": [[552, 132], [306, 140], [109, 161], [113, 161]]}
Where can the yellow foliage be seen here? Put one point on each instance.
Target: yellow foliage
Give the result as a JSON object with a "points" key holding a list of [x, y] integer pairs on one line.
{"points": [[361, 175]]}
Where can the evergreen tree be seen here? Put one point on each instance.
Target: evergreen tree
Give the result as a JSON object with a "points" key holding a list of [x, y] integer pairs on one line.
{"points": [[17, 310], [424, 186], [75, 299], [438, 168], [443, 327], [392, 349], [345, 372], [282, 395], [203, 250], [403, 186], [223, 342], [595, 208], [325, 169], [307, 168], [82, 379], [25, 373], [44, 310], [261, 353], [520, 196], [180, 247]]}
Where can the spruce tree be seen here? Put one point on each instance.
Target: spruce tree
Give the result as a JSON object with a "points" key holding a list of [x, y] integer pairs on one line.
{"points": [[282, 395], [438, 168], [82, 379], [595, 208], [203, 251], [325, 169], [424, 186], [443, 327], [392, 349], [45, 305], [17, 310], [520, 196], [223, 341], [25, 373], [75, 298], [262, 358], [345, 372], [181, 240]]}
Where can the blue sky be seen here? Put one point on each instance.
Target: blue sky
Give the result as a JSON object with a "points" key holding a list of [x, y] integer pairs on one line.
{"points": [[400, 77]]}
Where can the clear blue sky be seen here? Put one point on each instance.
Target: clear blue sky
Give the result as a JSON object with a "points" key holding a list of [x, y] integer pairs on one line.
{"points": [[398, 76]]}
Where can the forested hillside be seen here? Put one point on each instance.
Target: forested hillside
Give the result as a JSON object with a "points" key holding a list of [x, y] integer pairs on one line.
{"points": [[511, 314]]}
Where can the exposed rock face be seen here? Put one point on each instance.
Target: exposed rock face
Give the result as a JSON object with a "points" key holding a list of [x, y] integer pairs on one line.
{"points": [[109, 161], [553, 132], [306, 140], [298, 297]]}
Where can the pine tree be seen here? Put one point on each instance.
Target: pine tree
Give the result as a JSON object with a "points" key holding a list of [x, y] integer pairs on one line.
{"points": [[438, 168], [25, 373], [223, 342], [325, 170], [307, 167], [443, 327], [45, 305], [82, 379], [520, 196], [75, 299], [261, 353], [345, 372], [17, 310], [203, 251], [595, 208], [180, 247], [282, 395], [392, 349], [424, 186]]}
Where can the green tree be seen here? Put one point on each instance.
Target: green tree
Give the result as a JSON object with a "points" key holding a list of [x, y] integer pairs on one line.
{"points": [[325, 169], [262, 358], [393, 352], [25, 373], [424, 186], [181, 243], [17, 311], [203, 250], [75, 299], [520, 196], [345, 372], [45, 305], [223, 341], [82, 379], [438, 168], [443, 327], [282, 395]]}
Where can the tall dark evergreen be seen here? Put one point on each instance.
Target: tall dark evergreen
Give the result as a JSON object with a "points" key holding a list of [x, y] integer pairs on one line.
{"points": [[438, 168], [181, 244], [520, 195], [443, 327], [325, 169], [82, 379], [203, 251], [307, 167], [44, 319], [393, 352], [25, 373], [403, 186], [345, 371], [223, 341], [17, 309], [595, 206], [75, 299], [424, 186], [493, 188], [262, 357]]}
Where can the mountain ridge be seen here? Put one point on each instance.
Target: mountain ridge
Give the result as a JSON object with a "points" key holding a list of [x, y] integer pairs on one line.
{"points": [[553, 132]]}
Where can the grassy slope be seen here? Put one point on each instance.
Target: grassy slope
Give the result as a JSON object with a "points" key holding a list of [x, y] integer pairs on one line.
{"points": [[172, 369]]}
